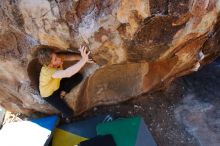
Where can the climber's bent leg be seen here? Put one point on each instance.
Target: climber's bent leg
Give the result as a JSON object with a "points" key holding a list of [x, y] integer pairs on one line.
{"points": [[59, 104], [68, 83]]}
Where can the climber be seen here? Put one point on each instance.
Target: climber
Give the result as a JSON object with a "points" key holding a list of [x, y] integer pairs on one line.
{"points": [[55, 82]]}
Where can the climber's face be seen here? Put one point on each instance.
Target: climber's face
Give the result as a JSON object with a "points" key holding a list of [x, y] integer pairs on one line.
{"points": [[56, 61]]}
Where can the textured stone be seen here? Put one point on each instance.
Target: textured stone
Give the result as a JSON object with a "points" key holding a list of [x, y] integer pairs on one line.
{"points": [[41, 20], [152, 39], [110, 84], [138, 46]]}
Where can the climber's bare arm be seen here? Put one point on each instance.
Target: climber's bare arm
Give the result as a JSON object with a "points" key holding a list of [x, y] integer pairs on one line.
{"points": [[70, 71]]}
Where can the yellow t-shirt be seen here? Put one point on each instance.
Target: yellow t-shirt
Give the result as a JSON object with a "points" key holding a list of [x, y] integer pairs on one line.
{"points": [[48, 84]]}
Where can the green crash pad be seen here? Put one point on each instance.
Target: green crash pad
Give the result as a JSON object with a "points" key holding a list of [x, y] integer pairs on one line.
{"points": [[127, 132]]}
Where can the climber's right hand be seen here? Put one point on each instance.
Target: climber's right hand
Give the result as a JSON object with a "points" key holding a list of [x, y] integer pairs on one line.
{"points": [[85, 56]]}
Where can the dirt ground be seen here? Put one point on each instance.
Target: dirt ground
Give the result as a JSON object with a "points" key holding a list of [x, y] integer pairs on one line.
{"points": [[186, 114], [157, 110]]}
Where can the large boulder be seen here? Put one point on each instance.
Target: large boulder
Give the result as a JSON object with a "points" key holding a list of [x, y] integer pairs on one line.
{"points": [[138, 46]]}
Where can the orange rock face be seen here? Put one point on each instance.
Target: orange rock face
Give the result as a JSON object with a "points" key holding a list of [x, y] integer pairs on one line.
{"points": [[138, 46]]}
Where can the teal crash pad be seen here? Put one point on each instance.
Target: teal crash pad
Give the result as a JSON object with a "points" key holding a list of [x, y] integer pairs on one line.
{"points": [[127, 132]]}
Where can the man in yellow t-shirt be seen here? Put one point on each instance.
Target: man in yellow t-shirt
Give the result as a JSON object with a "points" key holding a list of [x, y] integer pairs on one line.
{"points": [[55, 82]]}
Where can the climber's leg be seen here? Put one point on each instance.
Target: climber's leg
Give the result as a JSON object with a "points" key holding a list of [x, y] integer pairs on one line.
{"points": [[59, 104], [68, 83]]}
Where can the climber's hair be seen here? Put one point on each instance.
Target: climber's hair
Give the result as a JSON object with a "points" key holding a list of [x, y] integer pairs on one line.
{"points": [[44, 55]]}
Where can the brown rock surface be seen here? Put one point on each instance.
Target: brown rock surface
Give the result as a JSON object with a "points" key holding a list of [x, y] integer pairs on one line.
{"points": [[138, 46]]}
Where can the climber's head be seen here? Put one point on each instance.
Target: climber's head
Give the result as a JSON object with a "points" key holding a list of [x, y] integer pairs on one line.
{"points": [[48, 56]]}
